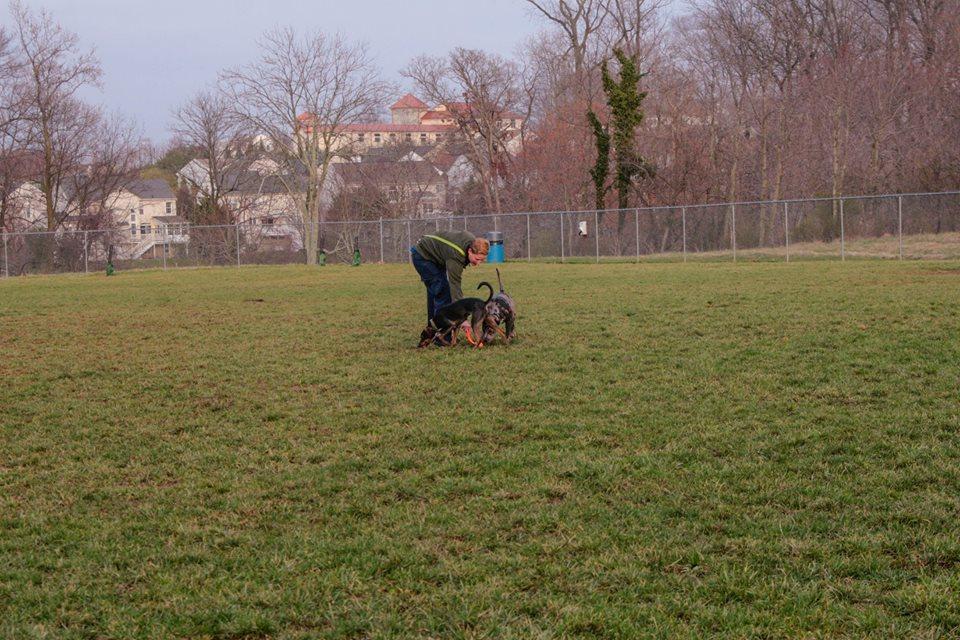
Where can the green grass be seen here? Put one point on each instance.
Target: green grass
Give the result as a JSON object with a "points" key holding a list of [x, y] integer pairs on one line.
{"points": [[703, 450]]}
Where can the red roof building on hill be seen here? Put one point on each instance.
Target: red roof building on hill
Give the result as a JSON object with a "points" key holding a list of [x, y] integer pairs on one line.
{"points": [[412, 121]]}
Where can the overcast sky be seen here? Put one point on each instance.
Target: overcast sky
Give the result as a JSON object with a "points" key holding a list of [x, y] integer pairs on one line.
{"points": [[155, 54]]}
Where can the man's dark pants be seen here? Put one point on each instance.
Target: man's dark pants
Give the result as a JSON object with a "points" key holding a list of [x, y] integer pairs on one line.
{"points": [[435, 278]]}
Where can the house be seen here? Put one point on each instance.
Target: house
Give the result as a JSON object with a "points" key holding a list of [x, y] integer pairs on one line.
{"points": [[257, 197], [25, 208], [388, 188], [146, 213], [264, 208], [22, 205]]}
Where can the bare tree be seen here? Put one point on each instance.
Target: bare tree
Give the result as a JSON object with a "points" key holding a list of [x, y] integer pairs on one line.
{"points": [[15, 165], [208, 123], [54, 71], [113, 151], [300, 95], [580, 21], [634, 27], [481, 93]]}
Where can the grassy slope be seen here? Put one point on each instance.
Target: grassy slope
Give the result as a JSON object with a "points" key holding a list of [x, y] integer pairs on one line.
{"points": [[669, 450]]}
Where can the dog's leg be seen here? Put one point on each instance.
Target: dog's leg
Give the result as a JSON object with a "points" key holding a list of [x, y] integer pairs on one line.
{"points": [[475, 328], [469, 333]]}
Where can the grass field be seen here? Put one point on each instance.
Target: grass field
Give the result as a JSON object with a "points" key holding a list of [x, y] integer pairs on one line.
{"points": [[668, 450]]}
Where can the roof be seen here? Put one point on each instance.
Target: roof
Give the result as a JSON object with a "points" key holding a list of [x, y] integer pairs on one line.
{"points": [[393, 153], [443, 160], [448, 111], [251, 182], [409, 101], [153, 188], [436, 115], [393, 173]]}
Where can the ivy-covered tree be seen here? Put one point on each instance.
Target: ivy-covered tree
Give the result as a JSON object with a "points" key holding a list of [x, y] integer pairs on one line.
{"points": [[626, 114], [601, 168]]}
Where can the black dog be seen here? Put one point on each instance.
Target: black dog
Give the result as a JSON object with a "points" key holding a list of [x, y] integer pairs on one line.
{"points": [[500, 310], [469, 313]]}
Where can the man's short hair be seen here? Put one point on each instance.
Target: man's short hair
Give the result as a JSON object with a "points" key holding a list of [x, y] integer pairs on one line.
{"points": [[480, 246]]}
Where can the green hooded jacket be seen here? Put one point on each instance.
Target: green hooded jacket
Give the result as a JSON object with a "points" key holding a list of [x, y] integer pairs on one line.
{"points": [[448, 249]]}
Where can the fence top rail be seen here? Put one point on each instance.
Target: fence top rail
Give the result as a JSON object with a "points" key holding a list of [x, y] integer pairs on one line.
{"points": [[450, 218], [726, 204], [660, 207]]}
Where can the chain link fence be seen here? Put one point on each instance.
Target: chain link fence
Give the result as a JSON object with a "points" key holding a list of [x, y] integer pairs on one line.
{"points": [[899, 226]]}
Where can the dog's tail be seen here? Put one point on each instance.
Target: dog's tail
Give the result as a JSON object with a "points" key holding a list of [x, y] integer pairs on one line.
{"points": [[499, 281], [487, 285]]}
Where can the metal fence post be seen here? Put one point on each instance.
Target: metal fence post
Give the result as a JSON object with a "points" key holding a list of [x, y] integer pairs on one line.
{"points": [[561, 238], [733, 230], [6, 262], [636, 216], [381, 239], [464, 223], [237, 226], [163, 250], [409, 239], [86, 263], [436, 224], [843, 252], [900, 225], [596, 228], [683, 220], [529, 252], [786, 229]]}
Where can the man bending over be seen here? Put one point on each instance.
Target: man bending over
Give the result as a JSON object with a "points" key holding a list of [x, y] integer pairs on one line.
{"points": [[440, 259]]}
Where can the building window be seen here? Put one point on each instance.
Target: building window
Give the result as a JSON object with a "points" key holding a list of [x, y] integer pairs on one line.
{"points": [[169, 207], [439, 136], [423, 137], [408, 137], [376, 137], [359, 137], [393, 136], [392, 193], [133, 229], [144, 229], [133, 217], [428, 207]]}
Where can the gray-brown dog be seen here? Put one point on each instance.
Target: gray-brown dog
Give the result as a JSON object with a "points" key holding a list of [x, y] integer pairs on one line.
{"points": [[501, 310]]}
